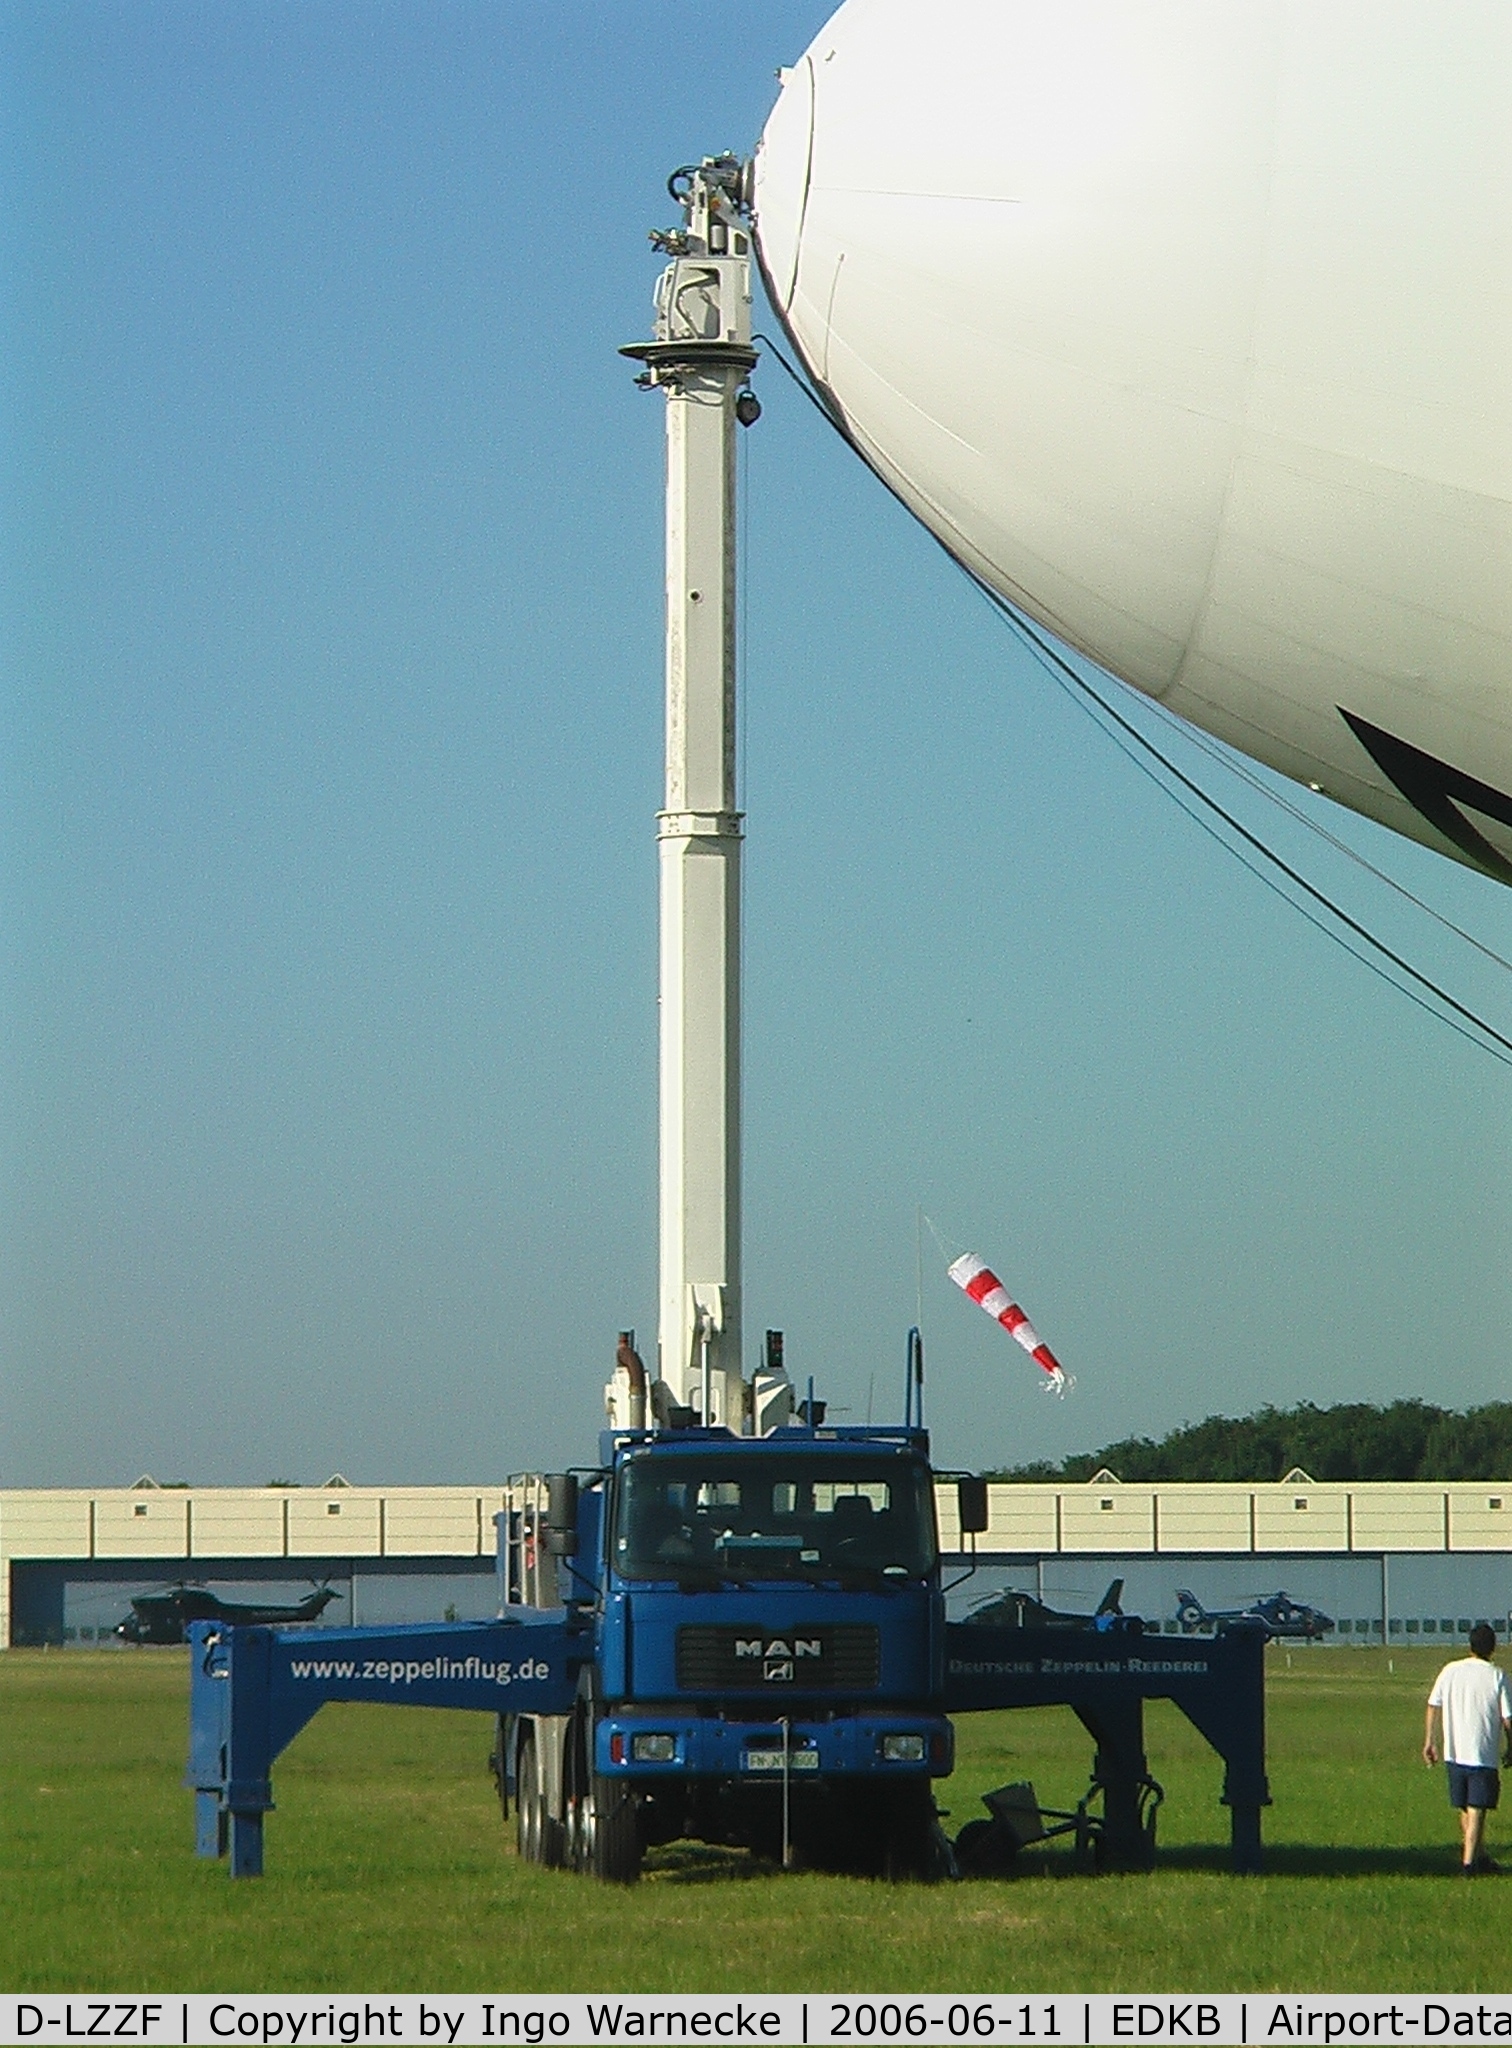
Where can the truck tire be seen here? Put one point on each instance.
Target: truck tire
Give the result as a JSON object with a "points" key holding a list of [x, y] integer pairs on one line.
{"points": [[528, 1803], [553, 1841], [540, 1838], [914, 1846], [615, 1848], [498, 1764], [602, 1836]]}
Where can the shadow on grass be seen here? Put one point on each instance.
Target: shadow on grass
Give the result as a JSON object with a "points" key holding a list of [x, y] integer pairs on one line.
{"points": [[1309, 1859], [1297, 1859], [703, 1863], [1284, 1859], [688, 1863]]}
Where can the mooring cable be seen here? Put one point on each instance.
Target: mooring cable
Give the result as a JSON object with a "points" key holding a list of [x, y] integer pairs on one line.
{"points": [[1497, 1044]]}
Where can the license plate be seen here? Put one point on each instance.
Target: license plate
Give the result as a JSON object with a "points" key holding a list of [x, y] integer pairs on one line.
{"points": [[771, 1759]]}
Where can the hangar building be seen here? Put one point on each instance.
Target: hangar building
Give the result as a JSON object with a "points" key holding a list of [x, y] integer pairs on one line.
{"points": [[72, 1559], [1391, 1562]]}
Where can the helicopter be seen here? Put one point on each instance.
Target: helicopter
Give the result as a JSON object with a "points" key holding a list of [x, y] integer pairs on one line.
{"points": [[1278, 1614], [163, 1617], [1022, 1610]]}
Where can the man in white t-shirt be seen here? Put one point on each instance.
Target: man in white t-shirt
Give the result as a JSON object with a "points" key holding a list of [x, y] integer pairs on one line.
{"points": [[1472, 1698]]}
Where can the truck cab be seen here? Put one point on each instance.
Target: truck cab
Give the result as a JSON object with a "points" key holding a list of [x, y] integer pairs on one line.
{"points": [[768, 1651]]}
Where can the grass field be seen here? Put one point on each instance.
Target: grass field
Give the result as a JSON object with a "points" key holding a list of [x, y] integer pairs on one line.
{"points": [[389, 1870]]}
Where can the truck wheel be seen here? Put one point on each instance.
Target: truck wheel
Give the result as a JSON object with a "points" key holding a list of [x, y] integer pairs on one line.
{"points": [[553, 1840], [499, 1768], [529, 1813], [541, 1839], [614, 1849], [915, 1847]]}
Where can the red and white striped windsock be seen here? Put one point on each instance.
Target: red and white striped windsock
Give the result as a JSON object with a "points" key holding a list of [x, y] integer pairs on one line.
{"points": [[976, 1278]]}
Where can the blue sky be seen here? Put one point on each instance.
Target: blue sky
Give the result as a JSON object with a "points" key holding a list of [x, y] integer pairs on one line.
{"points": [[331, 748]]}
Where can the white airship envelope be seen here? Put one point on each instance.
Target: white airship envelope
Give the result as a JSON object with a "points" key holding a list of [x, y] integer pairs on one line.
{"points": [[1187, 324]]}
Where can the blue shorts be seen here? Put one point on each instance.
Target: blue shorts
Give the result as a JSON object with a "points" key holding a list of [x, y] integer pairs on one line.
{"points": [[1473, 1785]]}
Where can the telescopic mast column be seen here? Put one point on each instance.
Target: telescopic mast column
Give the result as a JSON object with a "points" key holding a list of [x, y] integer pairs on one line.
{"points": [[700, 359]]}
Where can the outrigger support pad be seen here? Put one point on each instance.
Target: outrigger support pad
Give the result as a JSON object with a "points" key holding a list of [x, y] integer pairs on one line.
{"points": [[251, 1690]]}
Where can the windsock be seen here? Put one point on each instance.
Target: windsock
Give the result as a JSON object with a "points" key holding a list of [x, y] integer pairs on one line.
{"points": [[975, 1277]]}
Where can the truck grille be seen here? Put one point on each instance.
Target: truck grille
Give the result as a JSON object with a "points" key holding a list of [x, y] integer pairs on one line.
{"points": [[843, 1655]]}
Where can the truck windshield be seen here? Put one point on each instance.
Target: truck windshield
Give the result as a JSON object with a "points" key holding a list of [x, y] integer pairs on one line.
{"points": [[767, 1516]]}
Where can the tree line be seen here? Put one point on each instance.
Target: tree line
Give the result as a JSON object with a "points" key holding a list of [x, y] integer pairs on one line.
{"points": [[1355, 1440]]}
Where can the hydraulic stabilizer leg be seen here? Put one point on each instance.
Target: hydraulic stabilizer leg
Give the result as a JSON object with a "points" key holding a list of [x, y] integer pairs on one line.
{"points": [[1246, 1856], [1246, 1789], [229, 1743], [1121, 1770], [209, 1709], [249, 1747], [247, 1844], [211, 1836], [1230, 1711]]}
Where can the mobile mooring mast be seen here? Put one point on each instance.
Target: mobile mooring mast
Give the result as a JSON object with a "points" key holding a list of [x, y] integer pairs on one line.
{"points": [[734, 1633], [700, 359]]}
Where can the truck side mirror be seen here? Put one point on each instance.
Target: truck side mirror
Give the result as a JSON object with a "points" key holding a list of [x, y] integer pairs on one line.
{"points": [[971, 1505], [561, 1514]]}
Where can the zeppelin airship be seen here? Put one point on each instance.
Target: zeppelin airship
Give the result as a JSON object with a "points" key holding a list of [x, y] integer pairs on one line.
{"points": [[1186, 325]]}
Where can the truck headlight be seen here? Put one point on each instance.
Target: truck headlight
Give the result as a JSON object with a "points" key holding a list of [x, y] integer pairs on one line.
{"points": [[654, 1749], [902, 1749]]}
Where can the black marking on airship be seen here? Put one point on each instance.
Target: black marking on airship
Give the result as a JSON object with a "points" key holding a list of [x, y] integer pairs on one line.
{"points": [[1436, 791]]}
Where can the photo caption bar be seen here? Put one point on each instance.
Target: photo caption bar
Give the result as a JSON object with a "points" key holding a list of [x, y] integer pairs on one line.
{"points": [[848, 2018]]}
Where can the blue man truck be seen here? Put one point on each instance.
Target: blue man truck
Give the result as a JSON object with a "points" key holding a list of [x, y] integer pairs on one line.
{"points": [[769, 1653], [736, 1639]]}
